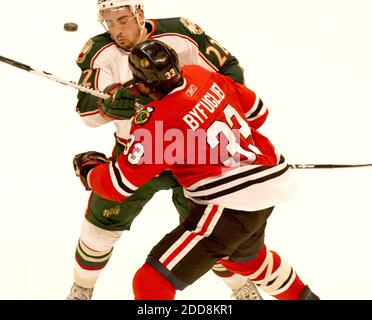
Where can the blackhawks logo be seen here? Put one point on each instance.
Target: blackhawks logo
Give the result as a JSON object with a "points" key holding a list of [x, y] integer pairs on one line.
{"points": [[143, 116]]}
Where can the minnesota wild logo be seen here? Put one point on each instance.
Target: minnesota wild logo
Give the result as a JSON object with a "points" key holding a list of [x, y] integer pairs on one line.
{"points": [[143, 116], [193, 27], [107, 213], [84, 52]]}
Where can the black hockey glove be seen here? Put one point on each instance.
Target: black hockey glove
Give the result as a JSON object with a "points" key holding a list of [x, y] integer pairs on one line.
{"points": [[86, 161], [122, 102]]}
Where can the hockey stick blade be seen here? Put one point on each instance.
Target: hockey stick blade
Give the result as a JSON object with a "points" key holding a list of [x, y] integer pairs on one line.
{"points": [[50, 76], [328, 166]]}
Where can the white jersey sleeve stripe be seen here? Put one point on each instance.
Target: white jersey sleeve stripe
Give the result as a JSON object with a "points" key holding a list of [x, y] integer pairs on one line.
{"points": [[118, 184], [254, 107], [124, 179], [262, 111]]}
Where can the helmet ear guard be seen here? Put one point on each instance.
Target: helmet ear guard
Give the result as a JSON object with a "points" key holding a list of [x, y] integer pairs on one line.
{"points": [[156, 65]]}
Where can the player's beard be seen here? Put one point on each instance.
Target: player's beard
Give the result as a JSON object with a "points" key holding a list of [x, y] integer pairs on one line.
{"points": [[127, 43]]}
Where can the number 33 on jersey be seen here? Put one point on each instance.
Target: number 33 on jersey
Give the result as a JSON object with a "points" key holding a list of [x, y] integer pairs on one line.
{"points": [[205, 131]]}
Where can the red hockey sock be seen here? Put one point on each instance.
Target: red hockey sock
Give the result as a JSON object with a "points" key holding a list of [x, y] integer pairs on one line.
{"points": [[273, 274], [293, 292], [246, 268], [149, 284]]}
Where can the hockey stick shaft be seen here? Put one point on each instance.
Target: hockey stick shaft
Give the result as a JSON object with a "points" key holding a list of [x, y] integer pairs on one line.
{"points": [[328, 166], [103, 95], [50, 76]]}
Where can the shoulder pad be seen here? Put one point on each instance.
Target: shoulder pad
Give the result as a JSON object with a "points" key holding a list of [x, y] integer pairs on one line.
{"points": [[91, 47], [191, 26], [175, 25]]}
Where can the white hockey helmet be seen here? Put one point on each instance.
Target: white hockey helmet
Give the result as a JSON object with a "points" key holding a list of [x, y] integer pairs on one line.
{"points": [[135, 6], [113, 4]]}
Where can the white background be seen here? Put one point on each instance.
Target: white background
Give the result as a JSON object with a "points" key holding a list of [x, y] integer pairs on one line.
{"points": [[310, 61]]}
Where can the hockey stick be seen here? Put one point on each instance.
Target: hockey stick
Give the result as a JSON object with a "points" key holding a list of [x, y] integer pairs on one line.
{"points": [[103, 95], [328, 166], [50, 76]]}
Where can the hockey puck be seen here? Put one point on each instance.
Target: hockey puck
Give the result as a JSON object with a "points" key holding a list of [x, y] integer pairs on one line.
{"points": [[70, 26]]}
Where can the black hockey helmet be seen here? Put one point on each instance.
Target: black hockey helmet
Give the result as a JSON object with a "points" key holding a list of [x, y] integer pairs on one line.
{"points": [[156, 65]]}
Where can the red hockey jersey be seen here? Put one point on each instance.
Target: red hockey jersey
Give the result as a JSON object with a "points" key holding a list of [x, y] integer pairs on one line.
{"points": [[205, 131]]}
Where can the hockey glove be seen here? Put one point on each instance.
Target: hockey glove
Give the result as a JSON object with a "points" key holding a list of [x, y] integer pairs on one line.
{"points": [[121, 103], [86, 161]]}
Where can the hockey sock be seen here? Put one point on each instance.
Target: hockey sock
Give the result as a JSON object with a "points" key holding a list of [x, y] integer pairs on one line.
{"points": [[232, 280], [274, 275], [89, 264], [149, 284], [92, 253]]}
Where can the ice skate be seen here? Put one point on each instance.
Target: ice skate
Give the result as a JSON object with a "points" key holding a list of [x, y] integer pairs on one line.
{"points": [[247, 292], [80, 293], [307, 294]]}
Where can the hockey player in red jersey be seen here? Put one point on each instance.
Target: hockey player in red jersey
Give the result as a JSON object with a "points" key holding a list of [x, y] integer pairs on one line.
{"points": [[204, 128], [104, 66]]}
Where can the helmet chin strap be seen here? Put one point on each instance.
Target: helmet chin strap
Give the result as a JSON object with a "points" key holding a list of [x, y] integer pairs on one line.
{"points": [[143, 31], [141, 25], [143, 35]]}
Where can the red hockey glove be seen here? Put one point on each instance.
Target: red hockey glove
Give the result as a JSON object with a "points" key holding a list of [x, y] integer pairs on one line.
{"points": [[86, 161]]}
